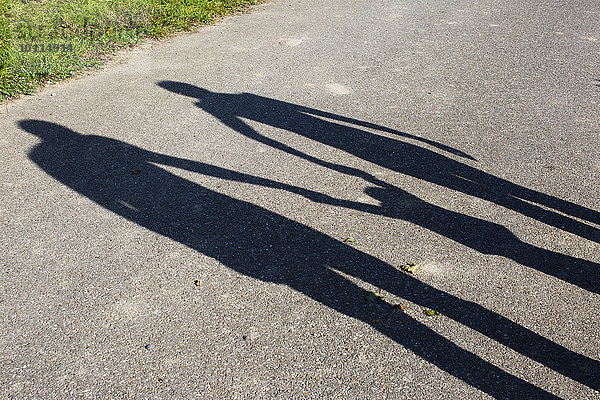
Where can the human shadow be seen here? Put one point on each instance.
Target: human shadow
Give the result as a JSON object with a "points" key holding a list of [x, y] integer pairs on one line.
{"points": [[284, 251], [478, 234], [396, 155], [481, 235]]}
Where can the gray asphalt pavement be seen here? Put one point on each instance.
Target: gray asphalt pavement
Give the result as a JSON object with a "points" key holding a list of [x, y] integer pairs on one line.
{"points": [[173, 226]]}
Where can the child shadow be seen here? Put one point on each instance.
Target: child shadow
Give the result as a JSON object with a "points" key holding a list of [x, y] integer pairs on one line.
{"points": [[400, 156], [284, 251]]}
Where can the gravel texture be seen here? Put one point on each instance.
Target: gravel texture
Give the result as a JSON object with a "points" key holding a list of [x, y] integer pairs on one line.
{"points": [[173, 226]]}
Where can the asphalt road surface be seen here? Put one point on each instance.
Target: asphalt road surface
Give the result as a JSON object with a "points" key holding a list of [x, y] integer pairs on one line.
{"points": [[174, 225]]}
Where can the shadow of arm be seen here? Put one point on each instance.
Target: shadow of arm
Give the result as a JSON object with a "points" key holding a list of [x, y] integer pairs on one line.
{"points": [[370, 125]]}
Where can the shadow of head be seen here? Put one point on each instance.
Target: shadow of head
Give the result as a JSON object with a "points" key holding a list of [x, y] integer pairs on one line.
{"points": [[185, 89], [48, 131]]}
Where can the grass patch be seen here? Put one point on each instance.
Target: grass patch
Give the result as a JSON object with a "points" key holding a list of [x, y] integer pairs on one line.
{"points": [[49, 40]]}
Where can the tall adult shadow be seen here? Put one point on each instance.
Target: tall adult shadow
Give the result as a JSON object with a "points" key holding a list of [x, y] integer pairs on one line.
{"points": [[400, 156], [284, 251]]}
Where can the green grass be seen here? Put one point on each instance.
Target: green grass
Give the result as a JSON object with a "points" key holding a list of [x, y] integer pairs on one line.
{"points": [[81, 33], [4, 34]]}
